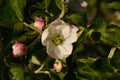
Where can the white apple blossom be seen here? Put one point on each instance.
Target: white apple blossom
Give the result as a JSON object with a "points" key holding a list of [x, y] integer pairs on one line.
{"points": [[58, 38]]}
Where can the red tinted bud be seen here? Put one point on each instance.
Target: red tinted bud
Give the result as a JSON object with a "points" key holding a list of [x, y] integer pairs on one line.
{"points": [[39, 23], [19, 49], [57, 66]]}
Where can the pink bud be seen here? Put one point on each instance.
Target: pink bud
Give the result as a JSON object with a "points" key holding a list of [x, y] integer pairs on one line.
{"points": [[19, 49], [88, 25], [57, 66], [39, 23]]}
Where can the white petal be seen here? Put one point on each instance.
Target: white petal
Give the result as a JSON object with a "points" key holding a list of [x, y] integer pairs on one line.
{"points": [[56, 26], [44, 36], [65, 51], [74, 29], [60, 51], [52, 50], [71, 39], [73, 36], [56, 23], [65, 31]]}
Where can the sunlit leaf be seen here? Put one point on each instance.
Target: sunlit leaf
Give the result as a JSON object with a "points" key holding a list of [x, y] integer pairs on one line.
{"points": [[17, 71]]}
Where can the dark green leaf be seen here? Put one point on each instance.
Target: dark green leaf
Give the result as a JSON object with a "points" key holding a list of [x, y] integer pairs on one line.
{"points": [[4, 73], [57, 75], [47, 3], [103, 65], [18, 27], [77, 18], [7, 12], [96, 36], [112, 36], [18, 6], [41, 14], [116, 60]]}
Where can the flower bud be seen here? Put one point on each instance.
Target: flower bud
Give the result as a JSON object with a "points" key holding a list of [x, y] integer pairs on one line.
{"points": [[39, 23], [84, 4], [57, 66], [19, 49]]}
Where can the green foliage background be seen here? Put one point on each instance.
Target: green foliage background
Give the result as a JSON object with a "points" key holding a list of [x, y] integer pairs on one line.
{"points": [[96, 54]]}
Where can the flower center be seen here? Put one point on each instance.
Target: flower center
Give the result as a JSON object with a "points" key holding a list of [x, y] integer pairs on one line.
{"points": [[57, 40]]}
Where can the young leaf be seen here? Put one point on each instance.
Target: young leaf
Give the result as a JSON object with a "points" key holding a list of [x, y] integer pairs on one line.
{"points": [[18, 6], [17, 71]]}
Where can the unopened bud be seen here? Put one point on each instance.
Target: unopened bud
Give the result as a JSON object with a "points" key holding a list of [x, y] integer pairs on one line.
{"points": [[39, 23], [57, 66], [19, 49], [84, 4]]}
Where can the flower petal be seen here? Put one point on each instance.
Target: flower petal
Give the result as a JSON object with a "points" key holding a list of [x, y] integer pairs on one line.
{"points": [[73, 36], [56, 26], [65, 50], [71, 39], [65, 31], [74, 29], [60, 51], [52, 50], [44, 36]]}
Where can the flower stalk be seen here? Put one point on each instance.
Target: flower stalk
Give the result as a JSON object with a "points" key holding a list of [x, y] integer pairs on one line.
{"points": [[112, 51]]}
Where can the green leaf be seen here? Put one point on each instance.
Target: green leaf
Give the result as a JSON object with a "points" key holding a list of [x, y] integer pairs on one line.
{"points": [[84, 70], [4, 73], [41, 14], [18, 27], [7, 12], [109, 34], [41, 5], [99, 25], [77, 18], [96, 36], [99, 69], [34, 60], [0, 3], [57, 75], [103, 65], [6, 23], [114, 5], [18, 6], [112, 36], [28, 78], [17, 71], [47, 3], [116, 60]]}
